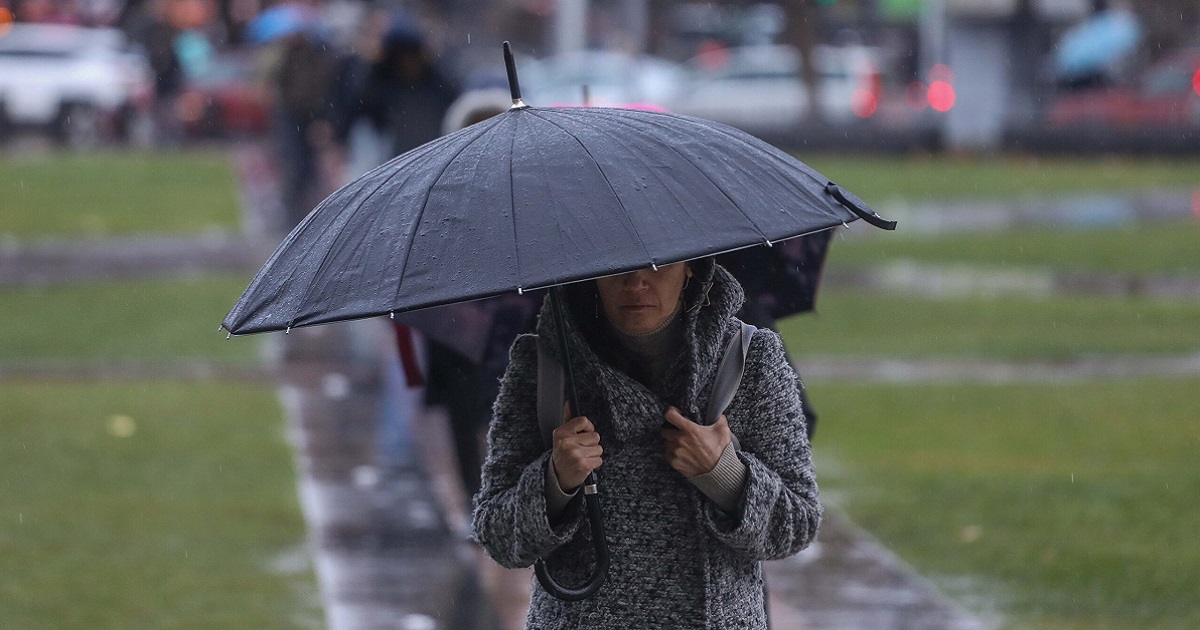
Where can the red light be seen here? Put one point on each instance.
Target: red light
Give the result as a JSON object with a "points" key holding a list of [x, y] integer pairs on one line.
{"points": [[1196, 82], [941, 96], [864, 103]]}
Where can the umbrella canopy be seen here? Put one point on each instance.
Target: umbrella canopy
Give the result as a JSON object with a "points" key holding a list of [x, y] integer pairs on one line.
{"points": [[533, 198], [1098, 43], [281, 20]]}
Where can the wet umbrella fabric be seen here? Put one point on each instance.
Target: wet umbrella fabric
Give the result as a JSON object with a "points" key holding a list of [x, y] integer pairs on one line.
{"points": [[533, 198]]}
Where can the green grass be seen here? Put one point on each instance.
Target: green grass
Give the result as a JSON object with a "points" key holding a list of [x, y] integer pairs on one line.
{"points": [[880, 179], [1167, 249], [859, 323], [148, 506], [116, 193], [1060, 506], [145, 320]]}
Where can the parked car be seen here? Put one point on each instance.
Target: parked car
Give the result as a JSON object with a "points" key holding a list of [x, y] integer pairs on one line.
{"points": [[225, 99], [1165, 95], [81, 85], [611, 78], [760, 88]]}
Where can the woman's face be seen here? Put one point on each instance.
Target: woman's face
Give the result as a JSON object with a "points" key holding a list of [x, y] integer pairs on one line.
{"points": [[640, 301]]}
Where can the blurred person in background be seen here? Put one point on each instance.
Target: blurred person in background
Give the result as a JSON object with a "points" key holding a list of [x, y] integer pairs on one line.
{"points": [[300, 86], [400, 91], [158, 37]]}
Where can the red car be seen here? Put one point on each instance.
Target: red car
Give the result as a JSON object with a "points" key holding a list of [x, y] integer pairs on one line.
{"points": [[225, 101], [1165, 95]]}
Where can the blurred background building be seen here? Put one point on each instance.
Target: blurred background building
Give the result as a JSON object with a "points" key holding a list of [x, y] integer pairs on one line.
{"points": [[974, 75]]}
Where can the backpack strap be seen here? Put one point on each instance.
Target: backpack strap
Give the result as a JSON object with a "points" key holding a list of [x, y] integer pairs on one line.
{"points": [[551, 380], [550, 392], [729, 373]]}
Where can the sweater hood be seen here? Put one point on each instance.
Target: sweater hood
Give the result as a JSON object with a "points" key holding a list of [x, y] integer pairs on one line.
{"points": [[711, 299]]}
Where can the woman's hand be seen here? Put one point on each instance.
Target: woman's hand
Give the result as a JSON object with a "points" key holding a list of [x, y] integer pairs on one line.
{"points": [[693, 449], [576, 452]]}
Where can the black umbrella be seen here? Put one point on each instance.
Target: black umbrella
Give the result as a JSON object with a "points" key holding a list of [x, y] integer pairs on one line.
{"points": [[535, 198]]}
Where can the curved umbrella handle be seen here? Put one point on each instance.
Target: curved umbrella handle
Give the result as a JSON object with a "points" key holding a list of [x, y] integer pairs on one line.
{"points": [[592, 498], [853, 204], [591, 494]]}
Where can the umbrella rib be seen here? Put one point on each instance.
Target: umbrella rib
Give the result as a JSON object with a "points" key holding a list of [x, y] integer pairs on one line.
{"points": [[718, 187], [624, 210], [767, 153], [360, 206], [496, 120], [512, 203], [329, 252]]}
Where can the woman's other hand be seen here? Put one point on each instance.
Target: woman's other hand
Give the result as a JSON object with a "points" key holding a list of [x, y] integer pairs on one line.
{"points": [[693, 449], [576, 452]]}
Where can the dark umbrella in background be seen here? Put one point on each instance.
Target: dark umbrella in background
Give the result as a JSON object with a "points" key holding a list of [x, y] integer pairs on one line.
{"points": [[536, 198]]}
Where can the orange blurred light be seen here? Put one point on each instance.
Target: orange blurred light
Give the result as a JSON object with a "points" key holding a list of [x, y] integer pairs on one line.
{"points": [[941, 96], [6, 20]]}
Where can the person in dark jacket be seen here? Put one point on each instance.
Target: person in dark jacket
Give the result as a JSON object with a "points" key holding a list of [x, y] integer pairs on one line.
{"points": [[689, 512]]}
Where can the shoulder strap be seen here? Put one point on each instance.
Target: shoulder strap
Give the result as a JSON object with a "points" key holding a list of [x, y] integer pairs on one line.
{"points": [[551, 380], [729, 373], [550, 392]]}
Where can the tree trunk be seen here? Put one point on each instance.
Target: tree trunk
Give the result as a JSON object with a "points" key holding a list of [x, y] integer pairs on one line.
{"points": [[801, 31]]}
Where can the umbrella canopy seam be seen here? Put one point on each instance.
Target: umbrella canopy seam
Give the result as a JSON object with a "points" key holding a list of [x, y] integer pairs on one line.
{"points": [[607, 181], [326, 229], [767, 151], [412, 235], [689, 162], [512, 201]]}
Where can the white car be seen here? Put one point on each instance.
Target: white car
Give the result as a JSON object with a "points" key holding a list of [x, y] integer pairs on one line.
{"points": [[611, 79], [760, 88], [80, 84]]}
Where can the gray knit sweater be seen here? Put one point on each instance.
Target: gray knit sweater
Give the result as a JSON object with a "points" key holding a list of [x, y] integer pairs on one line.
{"points": [[676, 560]]}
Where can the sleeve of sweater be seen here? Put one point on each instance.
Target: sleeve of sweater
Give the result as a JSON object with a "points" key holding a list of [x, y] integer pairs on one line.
{"points": [[511, 518], [779, 510]]}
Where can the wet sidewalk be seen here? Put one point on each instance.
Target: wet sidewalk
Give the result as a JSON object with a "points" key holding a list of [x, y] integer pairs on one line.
{"points": [[388, 542]]}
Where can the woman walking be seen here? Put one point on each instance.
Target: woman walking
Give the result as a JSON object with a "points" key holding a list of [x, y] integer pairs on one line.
{"points": [[690, 509]]}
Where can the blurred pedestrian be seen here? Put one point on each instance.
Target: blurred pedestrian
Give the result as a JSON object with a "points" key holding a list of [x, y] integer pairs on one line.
{"points": [[301, 118], [159, 39], [402, 92]]}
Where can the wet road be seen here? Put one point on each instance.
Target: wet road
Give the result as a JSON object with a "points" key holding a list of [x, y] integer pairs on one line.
{"points": [[389, 541]]}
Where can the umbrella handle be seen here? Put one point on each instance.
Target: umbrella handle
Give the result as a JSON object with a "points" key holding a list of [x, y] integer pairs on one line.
{"points": [[852, 203], [591, 495], [566, 593]]}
